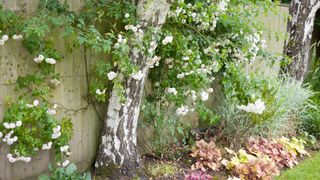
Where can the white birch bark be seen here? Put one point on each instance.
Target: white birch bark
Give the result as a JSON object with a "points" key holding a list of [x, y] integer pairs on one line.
{"points": [[118, 156], [300, 29]]}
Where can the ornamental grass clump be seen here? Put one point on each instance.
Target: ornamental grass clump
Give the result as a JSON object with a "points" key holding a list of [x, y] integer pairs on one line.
{"points": [[207, 156]]}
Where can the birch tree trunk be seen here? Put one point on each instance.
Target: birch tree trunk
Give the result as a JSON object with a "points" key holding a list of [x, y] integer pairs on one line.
{"points": [[300, 29], [118, 156]]}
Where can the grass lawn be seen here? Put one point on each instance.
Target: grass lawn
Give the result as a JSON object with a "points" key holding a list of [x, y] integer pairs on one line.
{"points": [[307, 170]]}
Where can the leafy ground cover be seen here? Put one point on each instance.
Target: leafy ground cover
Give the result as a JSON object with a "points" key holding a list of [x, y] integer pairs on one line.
{"points": [[307, 170]]}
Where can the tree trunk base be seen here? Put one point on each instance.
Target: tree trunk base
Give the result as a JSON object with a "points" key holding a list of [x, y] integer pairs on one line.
{"points": [[129, 170]]}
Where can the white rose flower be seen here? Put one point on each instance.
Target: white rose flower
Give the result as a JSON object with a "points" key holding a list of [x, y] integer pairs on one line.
{"points": [[65, 163], [172, 91], [6, 125], [167, 40], [1, 42], [51, 61], [18, 123], [5, 38], [64, 148], [51, 111], [17, 37], [12, 125], [183, 110], [35, 103], [112, 75], [204, 96]]}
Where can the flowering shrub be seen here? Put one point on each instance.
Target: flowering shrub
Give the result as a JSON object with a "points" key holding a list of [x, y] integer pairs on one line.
{"points": [[28, 128], [197, 175], [274, 150], [246, 166], [207, 155]]}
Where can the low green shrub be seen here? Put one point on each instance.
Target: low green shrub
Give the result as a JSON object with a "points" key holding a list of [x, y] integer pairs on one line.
{"points": [[65, 173]]}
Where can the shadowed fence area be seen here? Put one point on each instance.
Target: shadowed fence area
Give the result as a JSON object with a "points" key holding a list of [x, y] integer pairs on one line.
{"points": [[70, 95]]}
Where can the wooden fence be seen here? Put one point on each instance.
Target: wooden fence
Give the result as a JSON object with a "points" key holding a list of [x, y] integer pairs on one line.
{"points": [[70, 94]]}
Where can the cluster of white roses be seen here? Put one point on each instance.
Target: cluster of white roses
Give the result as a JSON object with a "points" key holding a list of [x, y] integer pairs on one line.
{"points": [[203, 18], [40, 58], [5, 38], [56, 132], [18, 158], [120, 41], [64, 149], [258, 107], [184, 109]]}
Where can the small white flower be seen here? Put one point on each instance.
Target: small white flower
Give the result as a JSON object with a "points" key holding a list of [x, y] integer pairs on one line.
{"points": [[185, 58], [68, 153], [204, 96], [258, 107], [35, 103], [51, 61], [6, 125], [210, 90], [18, 123], [47, 146], [65, 163], [64, 148], [127, 15], [183, 110], [5, 38], [12, 125], [112, 75], [17, 37], [10, 141], [172, 91], [1, 134], [99, 92], [137, 76], [167, 40], [55, 82], [180, 76], [39, 58], [51, 111], [1, 42], [194, 15]]}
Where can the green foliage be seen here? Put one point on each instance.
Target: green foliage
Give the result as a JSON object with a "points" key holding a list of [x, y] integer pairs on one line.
{"points": [[311, 120], [162, 170], [33, 126], [285, 102], [207, 156], [167, 129], [65, 173]]}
